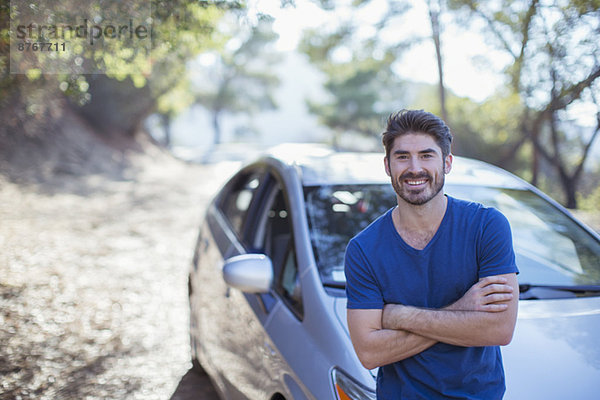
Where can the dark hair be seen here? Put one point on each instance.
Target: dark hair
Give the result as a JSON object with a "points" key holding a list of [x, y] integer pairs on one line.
{"points": [[416, 121]]}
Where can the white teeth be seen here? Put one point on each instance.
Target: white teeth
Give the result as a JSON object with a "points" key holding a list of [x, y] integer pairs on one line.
{"points": [[416, 182]]}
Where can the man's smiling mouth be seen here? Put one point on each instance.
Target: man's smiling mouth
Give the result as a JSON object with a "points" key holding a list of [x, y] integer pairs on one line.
{"points": [[416, 182]]}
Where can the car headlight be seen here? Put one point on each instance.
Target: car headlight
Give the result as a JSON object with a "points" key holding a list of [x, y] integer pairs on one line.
{"points": [[347, 388]]}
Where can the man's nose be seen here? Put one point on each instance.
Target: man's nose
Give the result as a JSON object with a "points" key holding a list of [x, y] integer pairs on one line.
{"points": [[415, 165]]}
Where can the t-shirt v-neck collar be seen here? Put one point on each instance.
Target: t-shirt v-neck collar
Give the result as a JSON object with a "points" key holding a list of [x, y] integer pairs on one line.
{"points": [[433, 239]]}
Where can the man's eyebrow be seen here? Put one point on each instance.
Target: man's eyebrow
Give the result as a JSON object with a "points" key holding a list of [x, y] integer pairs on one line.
{"points": [[424, 151]]}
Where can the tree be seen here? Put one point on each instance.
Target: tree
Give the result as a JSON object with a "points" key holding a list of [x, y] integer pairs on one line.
{"points": [[555, 64], [183, 29], [358, 68], [236, 80], [130, 71], [362, 91]]}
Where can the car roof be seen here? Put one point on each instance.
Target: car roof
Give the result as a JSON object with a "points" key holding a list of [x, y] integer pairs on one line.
{"points": [[321, 165]]}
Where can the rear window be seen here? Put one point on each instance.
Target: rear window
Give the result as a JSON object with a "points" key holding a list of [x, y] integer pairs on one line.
{"points": [[235, 200]]}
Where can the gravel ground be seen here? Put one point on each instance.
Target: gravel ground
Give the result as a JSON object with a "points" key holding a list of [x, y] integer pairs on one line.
{"points": [[93, 284]]}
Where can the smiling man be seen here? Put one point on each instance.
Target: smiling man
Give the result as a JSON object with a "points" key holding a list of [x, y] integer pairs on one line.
{"points": [[431, 284]]}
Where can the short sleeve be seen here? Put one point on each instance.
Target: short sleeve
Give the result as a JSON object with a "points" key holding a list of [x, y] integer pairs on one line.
{"points": [[496, 255], [362, 289]]}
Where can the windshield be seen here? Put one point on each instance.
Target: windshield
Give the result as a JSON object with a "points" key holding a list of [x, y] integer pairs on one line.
{"points": [[551, 249]]}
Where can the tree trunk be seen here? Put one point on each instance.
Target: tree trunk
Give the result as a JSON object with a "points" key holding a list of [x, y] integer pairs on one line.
{"points": [[569, 185], [216, 127], [434, 17], [535, 165], [571, 197], [166, 123]]}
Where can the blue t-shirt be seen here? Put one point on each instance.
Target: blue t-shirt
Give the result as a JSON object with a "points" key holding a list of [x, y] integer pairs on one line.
{"points": [[471, 242]]}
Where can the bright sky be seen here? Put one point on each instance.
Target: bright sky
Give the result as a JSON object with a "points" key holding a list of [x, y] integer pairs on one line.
{"points": [[466, 74]]}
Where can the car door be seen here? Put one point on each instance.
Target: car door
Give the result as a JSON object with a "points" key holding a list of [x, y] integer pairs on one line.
{"points": [[272, 233], [230, 330], [251, 216]]}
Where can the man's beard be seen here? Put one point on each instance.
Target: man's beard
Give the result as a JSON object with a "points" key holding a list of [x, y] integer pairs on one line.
{"points": [[418, 197]]}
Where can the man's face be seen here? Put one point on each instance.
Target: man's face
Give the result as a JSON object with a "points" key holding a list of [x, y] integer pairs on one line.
{"points": [[417, 168]]}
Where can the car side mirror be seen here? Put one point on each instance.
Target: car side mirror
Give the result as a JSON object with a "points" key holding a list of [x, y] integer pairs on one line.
{"points": [[251, 273]]}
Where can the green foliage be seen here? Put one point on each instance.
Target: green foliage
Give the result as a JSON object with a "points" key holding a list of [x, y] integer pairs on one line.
{"points": [[5, 77], [590, 202], [235, 80], [363, 91], [186, 29], [170, 34], [481, 130], [361, 85], [486, 130]]}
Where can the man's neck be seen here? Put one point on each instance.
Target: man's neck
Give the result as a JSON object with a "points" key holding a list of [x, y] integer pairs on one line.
{"points": [[415, 217], [418, 224]]}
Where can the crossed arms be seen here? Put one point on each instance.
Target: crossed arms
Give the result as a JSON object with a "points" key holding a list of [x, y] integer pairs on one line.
{"points": [[484, 316]]}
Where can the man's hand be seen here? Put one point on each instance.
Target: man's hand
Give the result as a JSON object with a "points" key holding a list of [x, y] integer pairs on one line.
{"points": [[490, 294]]}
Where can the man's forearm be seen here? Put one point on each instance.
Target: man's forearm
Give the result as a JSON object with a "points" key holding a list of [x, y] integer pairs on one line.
{"points": [[461, 328], [388, 346], [376, 346]]}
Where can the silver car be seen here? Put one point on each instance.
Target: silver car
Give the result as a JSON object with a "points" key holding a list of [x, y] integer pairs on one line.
{"points": [[266, 286]]}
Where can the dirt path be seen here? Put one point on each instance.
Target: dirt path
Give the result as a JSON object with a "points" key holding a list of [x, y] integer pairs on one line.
{"points": [[93, 284]]}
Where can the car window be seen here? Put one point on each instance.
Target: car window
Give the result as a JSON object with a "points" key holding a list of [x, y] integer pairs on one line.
{"points": [[275, 239], [288, 284], [551, 248], [235, 201], [335, 214]]}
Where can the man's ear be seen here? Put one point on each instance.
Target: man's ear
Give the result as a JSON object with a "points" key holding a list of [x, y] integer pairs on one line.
{"points": [[387, 166], [448, 163]]}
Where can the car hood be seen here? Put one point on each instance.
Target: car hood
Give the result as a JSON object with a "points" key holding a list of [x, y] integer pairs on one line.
{"points": [[554, 354]]}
